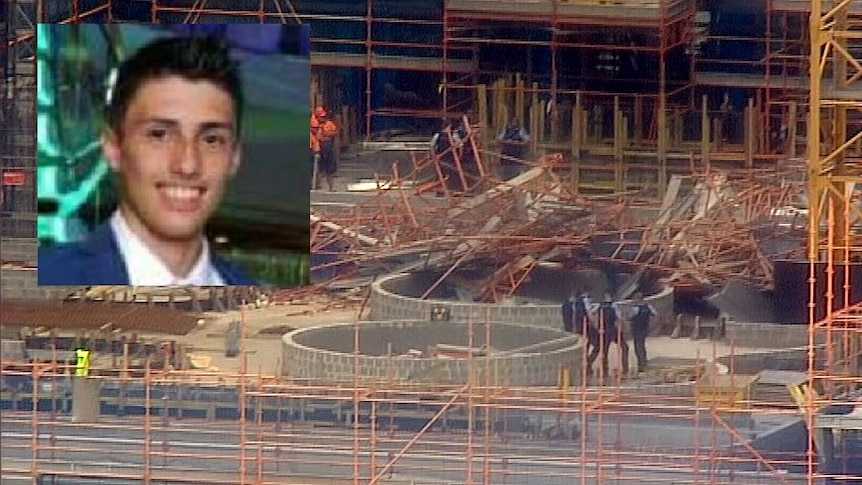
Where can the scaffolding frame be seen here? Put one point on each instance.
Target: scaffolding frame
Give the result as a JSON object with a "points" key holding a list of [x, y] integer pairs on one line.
{"points": [[714, 232], [604, 456], [160, 445], [662, 27], [17, 123], [835, 339], [636, 129]]}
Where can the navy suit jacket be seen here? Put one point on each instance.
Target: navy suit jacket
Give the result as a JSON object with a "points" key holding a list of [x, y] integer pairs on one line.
{"points": [[97, 261]]}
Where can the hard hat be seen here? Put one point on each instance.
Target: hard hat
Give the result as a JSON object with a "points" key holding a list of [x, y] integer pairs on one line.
{"points": [[320, 111]]}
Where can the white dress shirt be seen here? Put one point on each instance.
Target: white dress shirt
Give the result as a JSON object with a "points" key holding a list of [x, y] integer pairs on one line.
{"points": [[146, 269]]}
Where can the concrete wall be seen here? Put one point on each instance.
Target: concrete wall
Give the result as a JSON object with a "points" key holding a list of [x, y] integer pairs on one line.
{"points": [[767, 335], [791, 437], [23, 283], [387, 304], [779, 359], [18, 250], [304, 361]]}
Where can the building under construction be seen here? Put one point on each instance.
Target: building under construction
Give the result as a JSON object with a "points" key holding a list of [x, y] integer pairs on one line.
{"points": [[702, 152]]}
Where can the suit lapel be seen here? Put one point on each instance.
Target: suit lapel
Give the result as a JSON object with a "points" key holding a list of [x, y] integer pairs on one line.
{"points": [[224, 270], [105, 261], [230, 276]]}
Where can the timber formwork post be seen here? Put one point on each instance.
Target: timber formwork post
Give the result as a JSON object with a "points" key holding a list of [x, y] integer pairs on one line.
{"points": [[661, 141], [369, 36], [485, 128], [444, 81], [553, 101], [705, 147], [578, 130], [767, 59], [620, 128]]}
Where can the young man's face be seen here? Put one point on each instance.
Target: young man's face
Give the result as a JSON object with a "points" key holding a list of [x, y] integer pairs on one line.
{"points": [[174, 155]]}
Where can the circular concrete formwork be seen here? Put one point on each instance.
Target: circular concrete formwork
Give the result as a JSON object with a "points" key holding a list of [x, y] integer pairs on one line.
{"points": [[520, 355], [537, 303]]}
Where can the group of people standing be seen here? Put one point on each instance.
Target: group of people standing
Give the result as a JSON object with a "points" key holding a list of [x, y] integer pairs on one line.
{"points": [[602, 324], [454, 148]]}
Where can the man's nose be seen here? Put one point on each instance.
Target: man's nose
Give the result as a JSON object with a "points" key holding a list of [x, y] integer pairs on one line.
{"points": [[186, 159]]}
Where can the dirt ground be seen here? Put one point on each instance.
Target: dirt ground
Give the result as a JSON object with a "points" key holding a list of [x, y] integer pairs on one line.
{"points": [[266, 325], [263, 329]]}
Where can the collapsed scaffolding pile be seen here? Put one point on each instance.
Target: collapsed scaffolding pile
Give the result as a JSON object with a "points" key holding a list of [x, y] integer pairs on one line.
{"points": [[729, 225], [711, 227]]}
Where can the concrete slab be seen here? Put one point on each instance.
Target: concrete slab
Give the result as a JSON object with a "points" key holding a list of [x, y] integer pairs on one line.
{"points": [[743, 303]]}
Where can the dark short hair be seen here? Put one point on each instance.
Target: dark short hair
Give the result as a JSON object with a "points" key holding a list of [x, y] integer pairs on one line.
{"points": [[196, 58]]}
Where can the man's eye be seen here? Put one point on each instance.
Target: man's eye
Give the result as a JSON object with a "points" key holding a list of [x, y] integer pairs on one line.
{"points": [[157, 134], [215, 140]]}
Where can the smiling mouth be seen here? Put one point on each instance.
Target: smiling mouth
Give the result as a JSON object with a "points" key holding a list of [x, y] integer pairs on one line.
{"points": [[182, 198]]}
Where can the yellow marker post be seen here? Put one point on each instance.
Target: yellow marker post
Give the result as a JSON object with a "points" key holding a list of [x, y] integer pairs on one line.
{"points": [[82, 363]]}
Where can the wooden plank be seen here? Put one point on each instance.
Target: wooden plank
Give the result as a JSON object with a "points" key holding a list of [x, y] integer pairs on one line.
{"points": [[495, 192], [429, 64]]}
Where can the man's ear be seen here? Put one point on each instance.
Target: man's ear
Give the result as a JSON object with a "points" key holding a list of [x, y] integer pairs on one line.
{"points": [[111, 149], [235, 160]]}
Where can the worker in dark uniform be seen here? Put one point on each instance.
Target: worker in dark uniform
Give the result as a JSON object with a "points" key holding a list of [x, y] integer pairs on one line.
{"points": [[607, 316], [577, 320], [513, 148], [443, 147], [467, 155], [568, 309], [640, 316]]}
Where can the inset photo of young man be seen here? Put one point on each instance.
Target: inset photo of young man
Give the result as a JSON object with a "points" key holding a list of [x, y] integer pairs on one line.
{"points": [[173, 155]]}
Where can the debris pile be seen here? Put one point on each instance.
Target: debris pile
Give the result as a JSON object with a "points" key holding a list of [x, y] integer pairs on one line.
{"points": [[711, 227]]}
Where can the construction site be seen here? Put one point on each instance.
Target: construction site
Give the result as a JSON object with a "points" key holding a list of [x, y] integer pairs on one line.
{"points": [[704, 153]]}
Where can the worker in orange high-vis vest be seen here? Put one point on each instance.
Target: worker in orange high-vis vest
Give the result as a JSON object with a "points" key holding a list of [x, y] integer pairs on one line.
{"points": [[315, 152], [328, 132]]}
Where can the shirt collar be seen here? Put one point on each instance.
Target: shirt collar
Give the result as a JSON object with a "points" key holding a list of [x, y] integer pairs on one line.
{"points": [[146, 269]]}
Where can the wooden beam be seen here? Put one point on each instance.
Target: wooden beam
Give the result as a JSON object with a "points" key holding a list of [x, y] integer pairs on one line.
{"points": [[704, 131]]}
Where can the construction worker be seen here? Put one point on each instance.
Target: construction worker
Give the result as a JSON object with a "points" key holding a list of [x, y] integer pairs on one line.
{"points": [[466, 151], [328, 132], [607, 315], [577, 319], [640, 316], [568, 309], [443, 146], [315, 152], [82, 362], [513, 143]]}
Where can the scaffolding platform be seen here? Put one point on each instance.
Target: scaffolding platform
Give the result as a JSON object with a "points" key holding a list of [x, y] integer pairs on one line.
{"points": [[405, 63], [852, 421], [804, 6], [610, 12], [757, 81], [752, 81]]}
